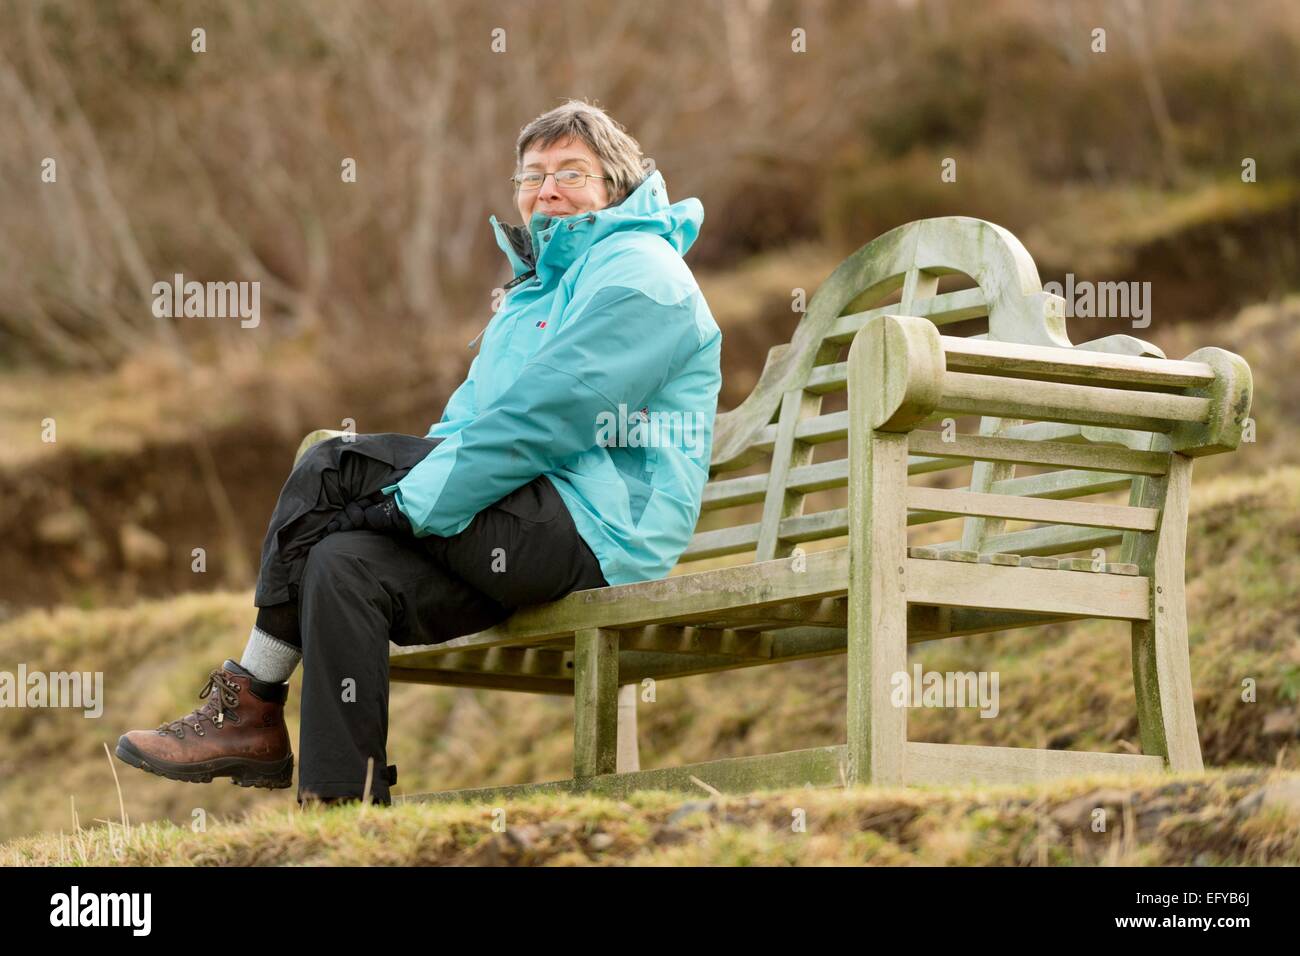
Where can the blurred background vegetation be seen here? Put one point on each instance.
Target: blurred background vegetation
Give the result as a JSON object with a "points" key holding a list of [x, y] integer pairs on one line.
{"points": [[1122, 165], [176, 434]]}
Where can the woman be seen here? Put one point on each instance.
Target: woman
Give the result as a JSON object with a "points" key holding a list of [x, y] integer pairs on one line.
{"points": [[518, 495]]}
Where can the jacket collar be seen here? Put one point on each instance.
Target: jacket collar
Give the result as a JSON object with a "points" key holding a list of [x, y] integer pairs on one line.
{"points": [[562, 240]]}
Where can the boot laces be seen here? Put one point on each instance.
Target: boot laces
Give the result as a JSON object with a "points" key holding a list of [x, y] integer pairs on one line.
{"points": [[222, 697]]}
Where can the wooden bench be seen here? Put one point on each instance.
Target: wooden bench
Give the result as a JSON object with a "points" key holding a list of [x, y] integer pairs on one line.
{"points": [[808, 508]]}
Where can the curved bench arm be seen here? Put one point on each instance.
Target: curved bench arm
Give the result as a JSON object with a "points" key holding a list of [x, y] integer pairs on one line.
{"points": [[896, 372], [319, 435], [902, 370]]}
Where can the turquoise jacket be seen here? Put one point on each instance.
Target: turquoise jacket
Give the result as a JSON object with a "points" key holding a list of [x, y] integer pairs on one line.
{"points": [[601, 370]]}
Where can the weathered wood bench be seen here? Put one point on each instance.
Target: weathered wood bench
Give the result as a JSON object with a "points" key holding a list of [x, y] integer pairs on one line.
{"points": [[809, 501]]}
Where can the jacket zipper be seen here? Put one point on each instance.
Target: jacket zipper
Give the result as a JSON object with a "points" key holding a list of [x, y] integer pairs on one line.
{"points": [[507, 287], [474, 340], [590, 217]]}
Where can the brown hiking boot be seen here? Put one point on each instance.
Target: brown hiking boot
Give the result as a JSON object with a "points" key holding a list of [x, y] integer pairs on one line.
{"points": [[239, 733]]}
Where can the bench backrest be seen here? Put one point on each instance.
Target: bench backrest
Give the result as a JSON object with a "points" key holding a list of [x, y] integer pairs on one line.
{"points": [[779, 465]]}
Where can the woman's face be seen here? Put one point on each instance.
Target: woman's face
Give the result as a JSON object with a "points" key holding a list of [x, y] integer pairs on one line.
{"points": [[552, 199]]}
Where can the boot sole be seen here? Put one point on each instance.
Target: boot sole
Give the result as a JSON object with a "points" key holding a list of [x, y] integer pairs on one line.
{"points": [[264, 774]]}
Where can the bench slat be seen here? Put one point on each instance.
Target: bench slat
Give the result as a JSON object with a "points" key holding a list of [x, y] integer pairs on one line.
{"points": [[1071, 483], [833, 522], [1002, 358], [824, 767], [779, 501], [954, 763], [818, 766], [824, 475], [1046, 541], [1008, 360], [957, 503], [1021, 452], [970, 394], [944, 309], [995, 587], [679, 598]]}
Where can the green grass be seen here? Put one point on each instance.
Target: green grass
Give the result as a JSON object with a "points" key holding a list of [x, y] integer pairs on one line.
{"points": [[1218, 818], [1064, 687]]}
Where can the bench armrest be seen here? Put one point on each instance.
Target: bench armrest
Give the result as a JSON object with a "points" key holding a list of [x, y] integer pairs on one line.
{"points": [[319, 435], [903, 372]]}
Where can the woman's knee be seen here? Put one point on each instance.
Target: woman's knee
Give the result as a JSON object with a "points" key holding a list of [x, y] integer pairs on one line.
{"points": [[323, 453], [335, 560]]}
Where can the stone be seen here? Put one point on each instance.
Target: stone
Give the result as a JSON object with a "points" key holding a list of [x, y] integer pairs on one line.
{"points": [[1282, 722], [64, 527], [689, 807], [141, 549]]}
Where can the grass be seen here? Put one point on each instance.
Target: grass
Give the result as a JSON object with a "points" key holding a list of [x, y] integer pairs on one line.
{"points": [[1060, 687], [1226, 817]]}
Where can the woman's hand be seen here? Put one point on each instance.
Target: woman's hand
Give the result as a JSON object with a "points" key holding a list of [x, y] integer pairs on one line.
{"points": [[378, 512]]}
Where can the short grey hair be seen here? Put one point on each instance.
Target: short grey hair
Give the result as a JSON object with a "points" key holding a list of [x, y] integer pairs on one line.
{"points": [[619, 154]]}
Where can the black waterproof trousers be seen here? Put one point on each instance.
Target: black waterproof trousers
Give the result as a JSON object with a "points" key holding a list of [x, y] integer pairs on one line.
{"points": [[349, 593]]}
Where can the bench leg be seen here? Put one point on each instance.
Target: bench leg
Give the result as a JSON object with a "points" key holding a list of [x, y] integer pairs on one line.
{"points": [[877, 632], [1162, 677], [595, 702], [1162, 672], [629, 751]]}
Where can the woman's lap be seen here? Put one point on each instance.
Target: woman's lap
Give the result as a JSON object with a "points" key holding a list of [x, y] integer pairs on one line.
{"points": [[523, 549]]}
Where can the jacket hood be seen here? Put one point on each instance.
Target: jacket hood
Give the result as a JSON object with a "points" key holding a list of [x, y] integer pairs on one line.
{"points": [[563, 239]]}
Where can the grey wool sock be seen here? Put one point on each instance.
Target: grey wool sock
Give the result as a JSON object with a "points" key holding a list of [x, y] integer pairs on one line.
{"points": [[268, 658]]}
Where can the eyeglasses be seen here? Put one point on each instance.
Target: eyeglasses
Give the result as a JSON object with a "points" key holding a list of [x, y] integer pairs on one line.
{"points": [[565, 178]]}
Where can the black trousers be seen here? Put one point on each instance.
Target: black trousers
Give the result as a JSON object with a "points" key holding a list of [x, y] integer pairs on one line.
{"points": [[351, 592]]}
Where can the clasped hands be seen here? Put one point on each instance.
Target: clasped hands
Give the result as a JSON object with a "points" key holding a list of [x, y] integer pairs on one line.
{"points": [[378, 512]]}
